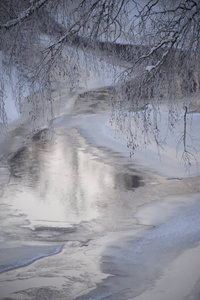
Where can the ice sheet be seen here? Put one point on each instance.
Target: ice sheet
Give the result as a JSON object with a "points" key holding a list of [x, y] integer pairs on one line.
{"points": [[13, 258]]}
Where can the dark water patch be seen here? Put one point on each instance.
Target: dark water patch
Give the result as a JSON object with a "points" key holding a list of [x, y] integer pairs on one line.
{"points": [[94, 105], [128, 181], [26, 164], [54, 234], [55, 229], [41, 135], [115, 153], [17, 161], [93, 101], [18, 155], [174, 178]]}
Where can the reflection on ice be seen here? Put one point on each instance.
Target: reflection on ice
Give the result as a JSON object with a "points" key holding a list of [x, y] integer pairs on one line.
{"points": [[59, 181], [62, 192], [129, 181]]}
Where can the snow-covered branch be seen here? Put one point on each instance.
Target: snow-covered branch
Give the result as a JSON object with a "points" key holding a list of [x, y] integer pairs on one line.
{"points": [[160, 62], [24, 14]]}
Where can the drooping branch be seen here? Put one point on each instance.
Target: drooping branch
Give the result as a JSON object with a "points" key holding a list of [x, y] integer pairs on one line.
{"points": [[185, 129]]}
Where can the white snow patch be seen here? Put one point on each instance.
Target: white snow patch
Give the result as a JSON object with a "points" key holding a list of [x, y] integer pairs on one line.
{"points": [[149, 68]]}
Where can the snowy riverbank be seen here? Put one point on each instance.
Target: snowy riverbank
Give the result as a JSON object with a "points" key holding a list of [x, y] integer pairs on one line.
{"points": [[167, 160]]}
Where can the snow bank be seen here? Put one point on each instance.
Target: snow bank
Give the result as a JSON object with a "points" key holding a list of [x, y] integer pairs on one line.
{"points": [[168, 162]]}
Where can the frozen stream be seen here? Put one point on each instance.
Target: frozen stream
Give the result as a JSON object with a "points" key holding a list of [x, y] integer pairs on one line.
{"points": [[71, 227]]}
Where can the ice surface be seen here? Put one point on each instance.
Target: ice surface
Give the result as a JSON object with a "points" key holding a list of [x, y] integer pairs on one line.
{"points": [[158, 213], [13, 258], [139, 261]]}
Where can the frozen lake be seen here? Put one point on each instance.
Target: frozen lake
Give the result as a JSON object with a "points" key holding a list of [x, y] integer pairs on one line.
{"points": [[80, 221]]}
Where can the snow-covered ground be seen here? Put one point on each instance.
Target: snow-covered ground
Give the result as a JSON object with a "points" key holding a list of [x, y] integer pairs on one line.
{"points": [[167, 160]]}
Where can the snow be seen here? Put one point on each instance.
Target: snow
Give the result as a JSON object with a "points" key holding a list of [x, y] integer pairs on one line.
{"points": [[167, 162], [149, 68], [158, 250]]}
